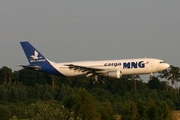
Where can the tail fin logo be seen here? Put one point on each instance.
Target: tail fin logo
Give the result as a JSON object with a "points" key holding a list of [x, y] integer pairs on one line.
{"points": [[35, 56]]}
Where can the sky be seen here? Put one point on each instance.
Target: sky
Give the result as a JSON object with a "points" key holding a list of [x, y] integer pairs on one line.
{"points": [[79, 30]]}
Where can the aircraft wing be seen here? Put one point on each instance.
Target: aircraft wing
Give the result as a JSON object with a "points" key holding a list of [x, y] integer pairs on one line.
{"points": [[89, 71]]}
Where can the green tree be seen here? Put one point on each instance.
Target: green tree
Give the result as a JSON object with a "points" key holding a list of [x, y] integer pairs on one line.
{"points": [[130, 111], [120, 86], [7, 74], [63, 92], [44, 92], [47, 111], [84, 106], [158, 110], [16, 76], [3, 93], [17, 110], [175, 75], [5, 113], [134, 78], [106, 111], [31, 78], [154, 83], [165, 74]]}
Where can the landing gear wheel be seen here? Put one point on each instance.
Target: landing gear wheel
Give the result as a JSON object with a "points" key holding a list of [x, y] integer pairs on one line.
{"points": [[101, 81]]}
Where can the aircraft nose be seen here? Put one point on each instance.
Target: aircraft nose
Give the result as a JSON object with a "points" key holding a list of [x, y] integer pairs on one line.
{"points": [[167, 66]]}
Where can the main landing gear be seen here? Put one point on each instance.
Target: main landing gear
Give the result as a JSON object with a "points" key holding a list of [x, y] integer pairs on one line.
{"points": [[99, 80], [151, 76]]}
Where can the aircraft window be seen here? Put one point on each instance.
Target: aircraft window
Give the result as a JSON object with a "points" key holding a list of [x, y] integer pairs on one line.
{"points": [[161, 62]]}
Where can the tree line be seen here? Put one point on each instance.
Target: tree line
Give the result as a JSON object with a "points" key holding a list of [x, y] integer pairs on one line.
{"points": [[27, 94]]}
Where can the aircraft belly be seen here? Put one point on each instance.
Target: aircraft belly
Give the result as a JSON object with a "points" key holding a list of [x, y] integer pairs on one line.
{"points": [[134, 71]]}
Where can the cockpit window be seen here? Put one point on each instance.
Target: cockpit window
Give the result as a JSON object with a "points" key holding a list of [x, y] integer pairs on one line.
{"points": [[162, 62]]}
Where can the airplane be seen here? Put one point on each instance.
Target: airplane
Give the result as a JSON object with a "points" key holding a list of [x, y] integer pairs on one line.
{"points": [[98, 69]]}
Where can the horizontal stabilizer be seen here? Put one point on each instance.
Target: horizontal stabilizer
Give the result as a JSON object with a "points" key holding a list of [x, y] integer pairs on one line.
{"points": [[35, 67]]}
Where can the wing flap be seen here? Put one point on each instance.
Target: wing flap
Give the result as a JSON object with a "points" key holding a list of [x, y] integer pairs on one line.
{"points": [[89, 71]]}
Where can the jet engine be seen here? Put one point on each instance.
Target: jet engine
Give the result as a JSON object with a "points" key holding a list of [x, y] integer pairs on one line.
{"points": [[113, 74]]}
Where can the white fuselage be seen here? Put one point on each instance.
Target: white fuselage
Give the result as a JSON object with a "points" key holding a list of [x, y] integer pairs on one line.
{"points": [[108, 68], [126, 66]]}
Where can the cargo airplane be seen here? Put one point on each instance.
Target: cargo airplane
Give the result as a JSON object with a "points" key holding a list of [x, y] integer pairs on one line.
{"points": [[98, 69]]}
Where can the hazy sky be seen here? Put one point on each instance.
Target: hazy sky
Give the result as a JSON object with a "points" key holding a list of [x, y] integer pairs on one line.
{"points": [[72, 30]]}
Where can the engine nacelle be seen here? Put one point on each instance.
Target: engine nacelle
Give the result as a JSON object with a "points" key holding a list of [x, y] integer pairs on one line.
{"points": [[113, 74]]}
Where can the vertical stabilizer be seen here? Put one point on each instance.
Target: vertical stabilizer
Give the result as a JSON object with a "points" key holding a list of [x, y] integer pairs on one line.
{"points": [[37, 60], [33, 55]]}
